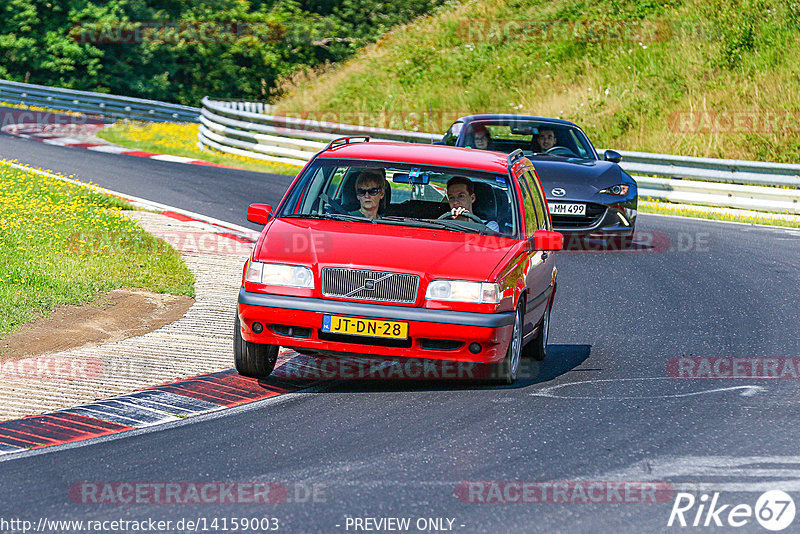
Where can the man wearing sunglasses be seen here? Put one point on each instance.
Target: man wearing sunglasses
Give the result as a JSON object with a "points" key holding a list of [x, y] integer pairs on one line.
{"points": [[370, 190]]}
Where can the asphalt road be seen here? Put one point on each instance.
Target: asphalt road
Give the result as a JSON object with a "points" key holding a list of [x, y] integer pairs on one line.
{"points": [[601, 407], [220, 193]]}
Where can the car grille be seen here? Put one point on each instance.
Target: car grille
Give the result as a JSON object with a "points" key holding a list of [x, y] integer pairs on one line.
{"points": [[594, 214], [369, 285]]}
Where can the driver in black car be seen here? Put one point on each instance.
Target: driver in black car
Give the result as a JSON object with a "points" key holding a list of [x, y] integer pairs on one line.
{"points": [[461, 196], [546, 139]]}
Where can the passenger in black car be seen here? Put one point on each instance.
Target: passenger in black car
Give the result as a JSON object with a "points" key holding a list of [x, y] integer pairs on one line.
{"points": [[482, 139]]}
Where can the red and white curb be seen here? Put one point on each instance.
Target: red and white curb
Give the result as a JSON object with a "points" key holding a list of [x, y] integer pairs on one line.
{"points": [[171, 402], [61, 135]]}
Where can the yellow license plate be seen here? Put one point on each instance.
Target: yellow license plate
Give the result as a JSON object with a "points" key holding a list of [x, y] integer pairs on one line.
{"points": [[356, 326]]}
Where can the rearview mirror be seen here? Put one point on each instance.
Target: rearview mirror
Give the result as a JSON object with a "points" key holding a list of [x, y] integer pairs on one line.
{"points": [[547, 240], [259, 213], [613, 156], [413, 177]]}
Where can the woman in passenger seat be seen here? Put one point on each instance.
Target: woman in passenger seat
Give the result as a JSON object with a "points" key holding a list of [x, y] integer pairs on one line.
{"points": [[370, 190]]}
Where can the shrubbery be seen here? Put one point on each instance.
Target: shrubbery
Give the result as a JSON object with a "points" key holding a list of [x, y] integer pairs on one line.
{"points": [[181, 51]]}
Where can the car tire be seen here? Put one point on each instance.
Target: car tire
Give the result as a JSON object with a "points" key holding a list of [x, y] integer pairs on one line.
{"points": [[505, 372], [252, 359], [536, 348]]}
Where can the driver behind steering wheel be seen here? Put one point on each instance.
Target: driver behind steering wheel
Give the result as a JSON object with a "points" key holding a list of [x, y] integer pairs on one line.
{"points": [[461, 196], [546, 139]]}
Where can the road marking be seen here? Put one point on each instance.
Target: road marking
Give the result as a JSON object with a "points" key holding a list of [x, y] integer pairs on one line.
{"points": [[783, 470], [746, 391]]}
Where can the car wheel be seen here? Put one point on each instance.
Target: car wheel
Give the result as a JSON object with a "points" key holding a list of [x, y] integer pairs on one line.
{"points": [[536, 349], [252, 359], [505, 372]]}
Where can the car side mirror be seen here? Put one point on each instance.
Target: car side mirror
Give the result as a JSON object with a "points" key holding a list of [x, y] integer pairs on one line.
{"points": [[547, 240], [259, 213], [613, 156]]}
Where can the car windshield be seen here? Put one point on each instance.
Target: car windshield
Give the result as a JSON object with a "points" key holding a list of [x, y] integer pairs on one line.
{"points": [[535, 138], [414, 195]]}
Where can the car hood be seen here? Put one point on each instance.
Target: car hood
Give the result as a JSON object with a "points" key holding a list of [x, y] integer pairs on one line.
{"points": [[581, 180], [382, 247]]}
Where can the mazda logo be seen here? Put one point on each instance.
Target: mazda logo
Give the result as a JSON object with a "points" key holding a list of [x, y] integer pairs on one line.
{"points": [[558, 192]]}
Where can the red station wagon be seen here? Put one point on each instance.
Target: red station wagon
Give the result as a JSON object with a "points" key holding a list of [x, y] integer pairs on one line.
{"points": [[402, 251]]}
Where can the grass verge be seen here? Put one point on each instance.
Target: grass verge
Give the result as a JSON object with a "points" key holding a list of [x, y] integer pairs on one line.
{"points": [[694, 77], [62, 244], [180, 139], [663, 208]]}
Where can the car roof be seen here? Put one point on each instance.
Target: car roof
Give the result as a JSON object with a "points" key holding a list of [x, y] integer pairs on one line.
{"points": [[512, 118], [421, 154]]}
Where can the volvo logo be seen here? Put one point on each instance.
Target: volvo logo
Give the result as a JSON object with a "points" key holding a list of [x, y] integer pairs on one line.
{"points": [[558, 192], [369, 284]]}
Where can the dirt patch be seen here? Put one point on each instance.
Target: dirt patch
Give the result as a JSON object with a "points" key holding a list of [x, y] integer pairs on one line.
{"points": [[113, 316]]}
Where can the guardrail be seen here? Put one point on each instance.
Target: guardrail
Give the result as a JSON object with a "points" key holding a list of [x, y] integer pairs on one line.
{"points": [[120, 107], [712, 170], [230, 127], [248, 129]]}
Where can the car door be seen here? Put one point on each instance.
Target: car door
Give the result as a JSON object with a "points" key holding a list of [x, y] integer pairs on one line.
{"points": [[540, 265]]}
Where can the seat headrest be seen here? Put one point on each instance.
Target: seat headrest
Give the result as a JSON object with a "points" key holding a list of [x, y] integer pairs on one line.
{"points": [[485, 205]]}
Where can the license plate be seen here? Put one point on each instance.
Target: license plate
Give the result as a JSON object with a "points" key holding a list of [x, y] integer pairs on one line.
{"points": [[356, 326], [563, 208]]}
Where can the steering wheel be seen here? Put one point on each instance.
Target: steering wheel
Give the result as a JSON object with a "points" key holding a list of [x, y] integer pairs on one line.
{"points": [[468, 215], [333, 206], [562, 149]]}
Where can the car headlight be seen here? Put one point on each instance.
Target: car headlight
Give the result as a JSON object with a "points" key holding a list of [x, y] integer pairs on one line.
{"points": [[463, 291], [278, 274], [620, 190]]}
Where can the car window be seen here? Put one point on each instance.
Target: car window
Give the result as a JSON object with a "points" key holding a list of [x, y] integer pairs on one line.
{"points": [[451, 137], [413, 192], [507, 135], [531, 216], [538, 198]]}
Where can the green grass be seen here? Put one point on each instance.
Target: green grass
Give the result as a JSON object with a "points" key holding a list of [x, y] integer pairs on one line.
{"points": [[180, 139], [62, 244], [631, 72], [664, 208]]}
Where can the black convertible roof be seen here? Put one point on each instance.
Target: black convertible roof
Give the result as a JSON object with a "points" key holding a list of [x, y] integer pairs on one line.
{"points": [[513, 118]]}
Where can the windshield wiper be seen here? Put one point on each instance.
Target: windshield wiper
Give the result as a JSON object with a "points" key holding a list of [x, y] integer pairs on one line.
{"points": [[337, 216], [434, 223]]}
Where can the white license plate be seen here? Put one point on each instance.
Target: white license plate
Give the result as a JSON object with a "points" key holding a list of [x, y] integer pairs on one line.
{"points": [[564, 208]]}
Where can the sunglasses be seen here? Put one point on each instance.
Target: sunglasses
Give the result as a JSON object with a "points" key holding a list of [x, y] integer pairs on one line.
{"points": [[372, 191]]}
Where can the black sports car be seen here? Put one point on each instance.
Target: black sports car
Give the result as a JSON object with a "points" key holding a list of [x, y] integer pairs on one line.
{"points": [[587, 196]]}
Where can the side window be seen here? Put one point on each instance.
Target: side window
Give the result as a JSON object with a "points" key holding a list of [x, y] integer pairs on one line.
{"points": [[530, 218], [451, 136], [336, 180], [538, 200], [582, 151]]}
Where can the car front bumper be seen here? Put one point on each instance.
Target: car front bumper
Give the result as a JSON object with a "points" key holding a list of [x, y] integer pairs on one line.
{"points": [[296, 322], [618, 220]]}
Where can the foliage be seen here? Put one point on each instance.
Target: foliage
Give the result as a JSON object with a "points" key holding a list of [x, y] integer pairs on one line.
{"points": [[181, 51], [693, 77]]}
